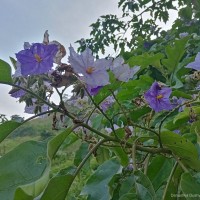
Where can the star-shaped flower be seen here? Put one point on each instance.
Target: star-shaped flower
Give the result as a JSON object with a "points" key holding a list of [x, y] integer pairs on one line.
{"points": [[196, 63], [122, 71], [93, 71], [158, 97], [37, 59]]}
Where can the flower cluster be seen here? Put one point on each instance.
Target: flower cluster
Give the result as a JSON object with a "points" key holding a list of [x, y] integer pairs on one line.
{"points": [[39, 58]]}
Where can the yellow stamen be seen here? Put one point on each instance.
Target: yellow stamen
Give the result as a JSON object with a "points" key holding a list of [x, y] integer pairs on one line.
{"points": [[160, 96], [90, 70], [37, 57]]}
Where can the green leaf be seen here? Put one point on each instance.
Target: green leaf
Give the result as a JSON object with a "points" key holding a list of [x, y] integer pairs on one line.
{"points": [[97, 185], [34, 187], [24, 165], [144, 187], [190, 186], [181, 147], [127, 186], [121, 155], [59, 185], [5, 72], [105, 91], [159, 170], [184, 116], [128, 196], [55, 143], [58, 188], [174, 54], [173, 186], [102, 155], [8, 127], [81, 153], [146, 59]]}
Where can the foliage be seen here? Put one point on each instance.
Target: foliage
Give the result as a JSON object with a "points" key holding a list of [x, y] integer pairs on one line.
{"points": [[136, 117]]}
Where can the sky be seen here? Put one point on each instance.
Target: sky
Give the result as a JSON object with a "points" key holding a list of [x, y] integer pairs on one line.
{"points": [[26, 21]]}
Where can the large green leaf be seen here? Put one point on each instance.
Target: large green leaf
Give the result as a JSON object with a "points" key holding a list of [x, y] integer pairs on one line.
{"points": [[144, 187], [182, 148], [97, 185], [127, 187], [146, 60], [81, 153], [159, 170], [190, 186], [7, 127], [24, 165], [59, 185], [121, 155], [5, 72], [34, 188], [174, 54]]}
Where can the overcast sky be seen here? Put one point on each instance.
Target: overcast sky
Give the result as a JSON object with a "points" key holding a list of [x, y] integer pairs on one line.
{"points": [[26, 21]]}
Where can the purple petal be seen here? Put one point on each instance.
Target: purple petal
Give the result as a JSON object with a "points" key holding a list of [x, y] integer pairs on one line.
{"points": [[196, 64]]}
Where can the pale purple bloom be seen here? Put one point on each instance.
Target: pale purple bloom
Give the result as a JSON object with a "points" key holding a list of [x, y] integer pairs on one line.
{"points": [[122, 71], [178, 101], [37, 59], [94, 72], [107, 103], [18, 93], [158, 97], [79, 102], [184, 34], [93, 91], [31, 109], [196, 63], [27, 45], [177, 131], [109, 130]]}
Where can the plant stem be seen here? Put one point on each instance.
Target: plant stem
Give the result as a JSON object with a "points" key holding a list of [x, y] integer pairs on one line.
{"points": [[98, 107], [169, 180], [88, 155]]}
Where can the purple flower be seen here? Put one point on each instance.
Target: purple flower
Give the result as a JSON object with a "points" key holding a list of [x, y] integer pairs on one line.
{"points": [[37, 59], [178, 101], [196, 63], [94, 72], [158, 97], [93, 91], [18, 93], [107, 103], [184, 34], [177, 131], [31, 109], [122, 71]]}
